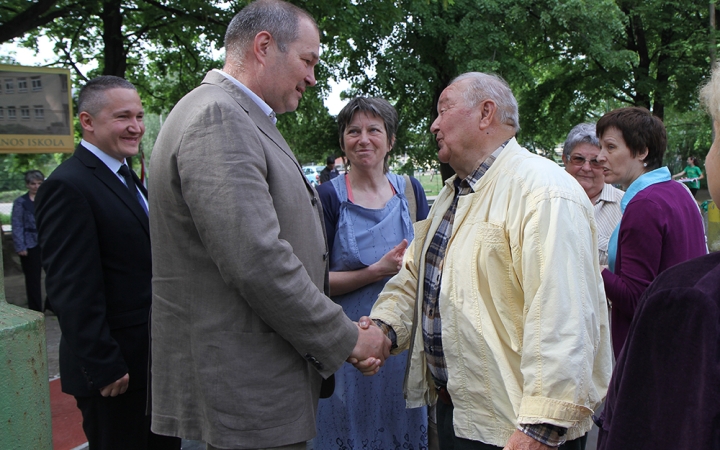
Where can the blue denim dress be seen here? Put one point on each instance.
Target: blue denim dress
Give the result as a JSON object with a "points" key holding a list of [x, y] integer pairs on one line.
{"points": [[369, 412]]}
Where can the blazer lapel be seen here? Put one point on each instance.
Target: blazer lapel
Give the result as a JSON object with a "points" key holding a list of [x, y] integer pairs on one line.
{"points": [[109, 179], [263, 122]]}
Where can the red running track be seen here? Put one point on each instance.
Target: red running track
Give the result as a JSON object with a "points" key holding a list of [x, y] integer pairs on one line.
{"points": [[66, 419]]}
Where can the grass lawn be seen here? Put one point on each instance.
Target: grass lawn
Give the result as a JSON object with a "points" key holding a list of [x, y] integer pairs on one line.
{"points": [[431, 183]]}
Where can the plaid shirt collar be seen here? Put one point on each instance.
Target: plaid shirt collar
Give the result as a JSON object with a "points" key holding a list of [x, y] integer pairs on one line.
{"points": [[431, 322]]}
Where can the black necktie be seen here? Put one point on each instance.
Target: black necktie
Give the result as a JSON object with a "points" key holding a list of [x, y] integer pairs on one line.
{"points": [[124, 170]]}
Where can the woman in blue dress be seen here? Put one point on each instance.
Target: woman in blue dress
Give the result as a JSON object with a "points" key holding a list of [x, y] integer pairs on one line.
{"points": [[368, 223]]}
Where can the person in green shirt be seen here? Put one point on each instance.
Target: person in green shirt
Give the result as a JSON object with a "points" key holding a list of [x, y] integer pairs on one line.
{"points": [[691, 174]]}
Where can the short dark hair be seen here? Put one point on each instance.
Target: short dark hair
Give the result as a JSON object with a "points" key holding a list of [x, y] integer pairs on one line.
{"points": [[33, 175], [640, 130], [277, 17], [330, 160], [90, 99], [372, 106]]}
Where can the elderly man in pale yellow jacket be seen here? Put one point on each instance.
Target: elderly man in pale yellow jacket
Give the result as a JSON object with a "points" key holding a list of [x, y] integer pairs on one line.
{"points": [[500, 300]]}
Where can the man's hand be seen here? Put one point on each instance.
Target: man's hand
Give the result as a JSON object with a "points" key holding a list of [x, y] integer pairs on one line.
{"points": [[22, 253], [372, 348], [116, 388], [521, 441]]}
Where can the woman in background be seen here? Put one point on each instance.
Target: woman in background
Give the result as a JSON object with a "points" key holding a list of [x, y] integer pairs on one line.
{"points": [[661, 224], [693, 174], [25, 238], [665, 390], [580, 158], [368, 220]]}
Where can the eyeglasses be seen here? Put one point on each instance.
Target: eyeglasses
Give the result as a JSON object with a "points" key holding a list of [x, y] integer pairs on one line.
{"points": [[577, 160]]}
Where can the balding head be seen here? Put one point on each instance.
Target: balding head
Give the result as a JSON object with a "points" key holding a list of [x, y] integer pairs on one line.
{"points": [[276, 17], [480, 86]]}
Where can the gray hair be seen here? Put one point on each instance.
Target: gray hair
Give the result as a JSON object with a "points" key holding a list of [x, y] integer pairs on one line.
{"points": [[33, 175], [583, 132], [92, 96], [372, 106], [484, 86], [277, 17]]}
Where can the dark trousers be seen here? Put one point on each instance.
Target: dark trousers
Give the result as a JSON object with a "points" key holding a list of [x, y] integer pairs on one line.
{"points": [[448, 440], [120, 423], [32, 269]]}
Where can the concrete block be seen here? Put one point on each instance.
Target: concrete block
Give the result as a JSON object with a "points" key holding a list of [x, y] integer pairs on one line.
{"points": [[25, 417]]}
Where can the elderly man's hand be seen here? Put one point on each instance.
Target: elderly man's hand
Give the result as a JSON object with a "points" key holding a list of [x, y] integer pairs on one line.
{"points": [[521, 441], [370, 365], [371, 343]]}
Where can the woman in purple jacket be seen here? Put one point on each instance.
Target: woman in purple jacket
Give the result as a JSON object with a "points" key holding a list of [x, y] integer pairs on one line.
{"points": [[661, 224], [665, 390]]}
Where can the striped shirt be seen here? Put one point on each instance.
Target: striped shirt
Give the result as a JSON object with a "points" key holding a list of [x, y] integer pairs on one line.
{"points": [[607, 215]]}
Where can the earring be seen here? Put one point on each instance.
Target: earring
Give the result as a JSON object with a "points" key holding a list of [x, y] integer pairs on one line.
{"points": [[644, 164]]}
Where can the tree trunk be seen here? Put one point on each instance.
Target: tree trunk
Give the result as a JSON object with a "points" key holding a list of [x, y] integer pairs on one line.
{"points": [[115, 53], [713, 44], [638, 43], [35, 16]]}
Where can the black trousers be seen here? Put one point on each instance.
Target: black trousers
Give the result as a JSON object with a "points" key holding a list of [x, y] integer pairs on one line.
{"points": [[120, 423], [448, 440], [32, 269]]}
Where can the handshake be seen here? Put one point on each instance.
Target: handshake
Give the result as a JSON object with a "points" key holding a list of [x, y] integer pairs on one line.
{"points": [[372, 348]]}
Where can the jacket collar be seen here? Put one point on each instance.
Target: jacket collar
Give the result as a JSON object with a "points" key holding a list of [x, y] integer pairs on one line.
{"points": [[261, 120], [102, 173]]}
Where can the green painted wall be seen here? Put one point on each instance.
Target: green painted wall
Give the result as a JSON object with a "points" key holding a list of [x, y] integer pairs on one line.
{"points": [[25, 418]]}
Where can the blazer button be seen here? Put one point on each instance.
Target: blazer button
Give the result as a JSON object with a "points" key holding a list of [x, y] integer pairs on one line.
{"points": [[314, 201], [325, 256]]}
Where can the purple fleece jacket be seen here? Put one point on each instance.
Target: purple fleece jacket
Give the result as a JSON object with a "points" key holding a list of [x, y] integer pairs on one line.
{"points": [[665, 390], [661, 227]]}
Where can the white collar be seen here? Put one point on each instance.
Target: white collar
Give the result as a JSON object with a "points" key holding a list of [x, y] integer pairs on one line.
{"points": [[255, 98], [111, 163]]}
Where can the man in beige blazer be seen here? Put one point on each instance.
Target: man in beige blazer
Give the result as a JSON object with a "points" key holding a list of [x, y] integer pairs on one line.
{"points": [[242, 333]]}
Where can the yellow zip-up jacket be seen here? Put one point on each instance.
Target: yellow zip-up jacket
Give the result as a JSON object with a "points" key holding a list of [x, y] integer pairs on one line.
{"points": [[524, 320]]}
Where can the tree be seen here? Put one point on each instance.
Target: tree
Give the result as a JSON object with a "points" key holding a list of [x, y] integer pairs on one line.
{"points": [[415, 49], [138, 40], [567, 61]]}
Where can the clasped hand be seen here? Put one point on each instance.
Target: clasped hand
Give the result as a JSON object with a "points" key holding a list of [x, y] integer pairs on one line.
{"points": [[372, 348]]}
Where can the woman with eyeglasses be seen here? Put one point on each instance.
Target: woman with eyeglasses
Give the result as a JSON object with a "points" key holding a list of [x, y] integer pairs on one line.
{"points": [[579, 155], [661, 224]]}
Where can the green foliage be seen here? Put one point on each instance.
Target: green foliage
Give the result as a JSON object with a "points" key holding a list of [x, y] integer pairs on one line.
{"points": [[14, 166], [689, 134], [567, 61], [152, 129], [310, 131], [9, 197]]}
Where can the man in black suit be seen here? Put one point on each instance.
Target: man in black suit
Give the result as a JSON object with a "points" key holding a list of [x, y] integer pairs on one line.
{"points": [[93, 230]]}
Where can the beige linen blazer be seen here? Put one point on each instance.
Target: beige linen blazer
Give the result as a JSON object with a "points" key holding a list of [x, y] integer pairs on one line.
{"points": [[241, 330]]}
